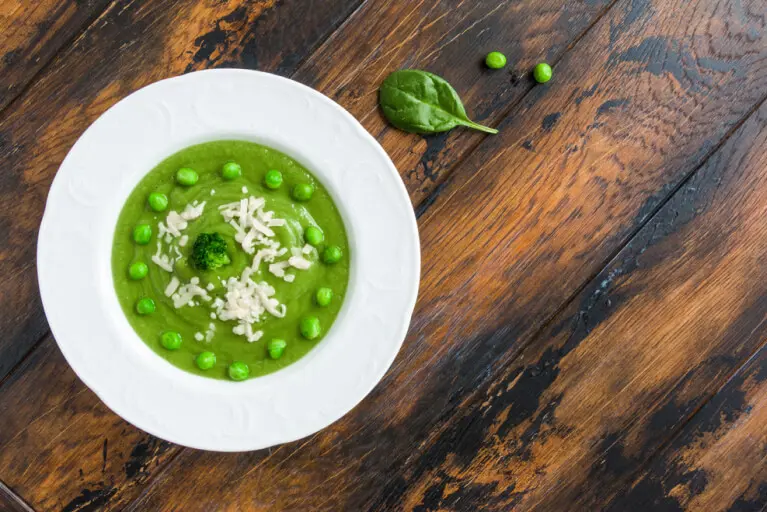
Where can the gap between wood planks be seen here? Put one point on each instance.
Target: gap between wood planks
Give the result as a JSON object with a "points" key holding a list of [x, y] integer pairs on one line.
{"points": [[429, 200], [679, 431], [11, 499]]}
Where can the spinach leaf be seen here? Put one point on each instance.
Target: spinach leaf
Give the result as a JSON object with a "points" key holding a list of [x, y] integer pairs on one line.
{"points": [[421, 102]]}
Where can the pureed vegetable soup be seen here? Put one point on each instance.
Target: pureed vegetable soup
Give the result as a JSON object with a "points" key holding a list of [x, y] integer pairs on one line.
{"points": [[230, 260]]}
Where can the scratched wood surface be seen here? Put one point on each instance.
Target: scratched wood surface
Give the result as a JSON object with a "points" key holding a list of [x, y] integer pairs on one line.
{"points": [[32, 33], [592, 293]]}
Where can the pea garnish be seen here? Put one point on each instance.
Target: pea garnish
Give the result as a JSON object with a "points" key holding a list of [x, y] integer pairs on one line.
{"points": [[145, 306], [310, 327], [142, 234], [495, 60], [542, 73], [231, 171], [186, 176], [171, 299], [170, 340], [238, 371], [206, 360], [138, 270], [323, 297], [273, 179], [303, 191], [313, 236], [276, 347], [158, 202], [332, 254]]}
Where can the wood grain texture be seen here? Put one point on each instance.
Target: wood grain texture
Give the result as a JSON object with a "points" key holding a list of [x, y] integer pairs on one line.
{"points": [[10, 501], [449, 38], [31, 33], [611, 379], [36, 456], [640, 103], [636, 106], [718, 461], [66, 450]]}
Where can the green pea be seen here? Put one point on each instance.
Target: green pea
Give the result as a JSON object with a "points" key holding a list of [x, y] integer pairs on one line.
{"points": [[332, 254], [138, 270], [313, 236], [238, 371], [310, 327], [230, 171], [206, 360], [542, 73], [495, 60], [323, 297], [158, 202], [303, 191], [273, 179], [142, 234], [276, 347], [186, 176], [170, 340], [145, 306]]}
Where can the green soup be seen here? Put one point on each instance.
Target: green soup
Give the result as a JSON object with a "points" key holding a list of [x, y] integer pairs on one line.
{"points": [[236, 310]]}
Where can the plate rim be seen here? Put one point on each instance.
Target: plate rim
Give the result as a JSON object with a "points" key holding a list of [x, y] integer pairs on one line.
{"points": [[412, 232]]}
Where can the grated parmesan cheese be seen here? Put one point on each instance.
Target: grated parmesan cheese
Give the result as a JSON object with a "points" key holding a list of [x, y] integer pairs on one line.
{"points": [[210, 332], [199, 336], [252, 225], [299, 262], [246, 302], [172, 286], [189, 291], [278, 269], [183, 240], [162, 260], [193, 211]]}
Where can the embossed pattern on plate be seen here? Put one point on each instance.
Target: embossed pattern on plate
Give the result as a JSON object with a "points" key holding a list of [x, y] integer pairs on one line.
{"points": [[96, 339]]}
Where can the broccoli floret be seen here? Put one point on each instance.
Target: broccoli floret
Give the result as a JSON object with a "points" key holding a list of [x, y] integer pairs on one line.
{"points": [[209, 252]]}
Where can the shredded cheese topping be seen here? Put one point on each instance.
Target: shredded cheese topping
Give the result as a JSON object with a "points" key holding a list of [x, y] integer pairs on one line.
{"points": [[246, 300], [171, 229], [189, 291]]}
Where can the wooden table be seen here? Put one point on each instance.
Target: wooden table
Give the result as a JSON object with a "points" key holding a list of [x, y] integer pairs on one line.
{"points": [[590, 331]]}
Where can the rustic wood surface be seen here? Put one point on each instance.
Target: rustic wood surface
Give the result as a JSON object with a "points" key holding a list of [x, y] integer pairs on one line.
{"points": [[590, 330]]}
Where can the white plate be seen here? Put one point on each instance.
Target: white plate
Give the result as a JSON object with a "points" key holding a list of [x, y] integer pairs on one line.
{"points": [[75, 243]]}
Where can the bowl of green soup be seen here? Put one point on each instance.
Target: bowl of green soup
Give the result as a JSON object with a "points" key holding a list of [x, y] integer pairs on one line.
{"points": [[228, 260]]}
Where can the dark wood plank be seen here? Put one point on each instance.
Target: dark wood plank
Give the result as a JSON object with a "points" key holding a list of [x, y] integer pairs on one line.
{"points": [[33, 32], [650, 340], [11, 502], [135, 43], [639, 104], [718, 461]]}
